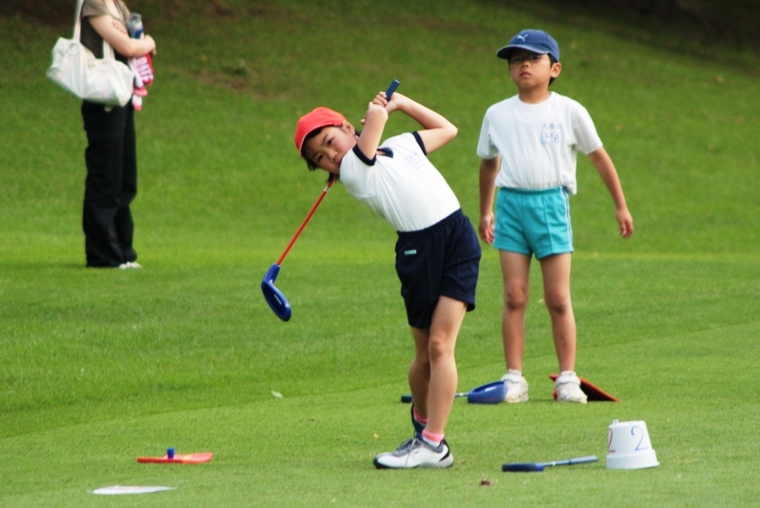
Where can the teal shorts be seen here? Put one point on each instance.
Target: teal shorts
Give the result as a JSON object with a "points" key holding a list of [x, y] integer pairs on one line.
{"points": [[533, 222]]}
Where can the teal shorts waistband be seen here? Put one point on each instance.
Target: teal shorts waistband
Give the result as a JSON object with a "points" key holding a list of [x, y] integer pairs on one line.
{"points": [[537, 192]]}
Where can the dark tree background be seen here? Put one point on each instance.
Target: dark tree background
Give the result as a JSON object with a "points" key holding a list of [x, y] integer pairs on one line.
{"points": [[725, 22], [706, 22]]}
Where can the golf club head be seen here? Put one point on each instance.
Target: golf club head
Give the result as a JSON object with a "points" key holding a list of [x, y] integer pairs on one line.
{"points": [[274, 297], [491, 393], [524, 467]]}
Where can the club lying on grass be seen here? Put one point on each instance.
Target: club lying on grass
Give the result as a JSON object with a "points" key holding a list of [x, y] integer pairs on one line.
{"points": [[490, 393], [537, 467], [407, 398]]}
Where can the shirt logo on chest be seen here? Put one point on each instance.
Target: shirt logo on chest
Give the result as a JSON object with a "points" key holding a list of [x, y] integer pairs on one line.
{"points": [[415, 160], [551, 133]]}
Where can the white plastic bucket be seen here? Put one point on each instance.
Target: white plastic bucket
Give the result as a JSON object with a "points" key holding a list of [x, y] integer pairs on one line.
{"points": [[629, 446]]}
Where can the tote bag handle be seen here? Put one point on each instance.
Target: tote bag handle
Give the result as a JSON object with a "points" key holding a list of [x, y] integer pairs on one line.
{"points": [[108, 52]]}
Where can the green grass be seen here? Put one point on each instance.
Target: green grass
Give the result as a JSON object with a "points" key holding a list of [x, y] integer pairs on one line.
{"points": [[99, 367]]}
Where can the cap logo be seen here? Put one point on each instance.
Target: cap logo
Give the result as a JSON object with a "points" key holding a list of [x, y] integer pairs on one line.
{"points": [[536, 41]]}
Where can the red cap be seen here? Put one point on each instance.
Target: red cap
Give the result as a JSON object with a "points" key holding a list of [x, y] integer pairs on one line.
{"points": [[318, 118]]}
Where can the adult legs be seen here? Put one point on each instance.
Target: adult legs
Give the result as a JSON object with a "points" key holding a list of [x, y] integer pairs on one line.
{"points": [[110, 185], [123, 219]]}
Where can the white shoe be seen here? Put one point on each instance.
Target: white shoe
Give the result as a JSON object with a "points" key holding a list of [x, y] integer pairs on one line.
{"points": [[517, 386], [416, 452], [129, 265], [568, 388]]}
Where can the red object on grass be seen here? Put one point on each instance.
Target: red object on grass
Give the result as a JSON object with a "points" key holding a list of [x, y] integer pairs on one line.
{"points": [[593, 392], [189, 458]]}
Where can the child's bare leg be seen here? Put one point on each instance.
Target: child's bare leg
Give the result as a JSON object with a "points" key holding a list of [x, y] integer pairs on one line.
{"points": [[515, 269], [556, 273], [441, 342], [419, 371]]}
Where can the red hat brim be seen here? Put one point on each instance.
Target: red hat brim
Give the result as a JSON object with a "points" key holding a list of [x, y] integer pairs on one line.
{"points": [[316, 119]]}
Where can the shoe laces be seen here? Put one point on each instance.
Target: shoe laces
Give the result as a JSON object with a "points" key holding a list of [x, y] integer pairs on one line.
{"points": [[407, 445]]}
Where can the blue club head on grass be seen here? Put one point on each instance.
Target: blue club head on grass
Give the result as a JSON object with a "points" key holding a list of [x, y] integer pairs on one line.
{"points": [[491, 393]]}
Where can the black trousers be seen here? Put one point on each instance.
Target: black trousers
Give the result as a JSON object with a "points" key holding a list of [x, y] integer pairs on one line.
{"points": [[111, 184]]}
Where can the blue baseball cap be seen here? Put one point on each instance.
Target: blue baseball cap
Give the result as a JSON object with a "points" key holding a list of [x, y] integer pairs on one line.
{"points": [[536, 41]]}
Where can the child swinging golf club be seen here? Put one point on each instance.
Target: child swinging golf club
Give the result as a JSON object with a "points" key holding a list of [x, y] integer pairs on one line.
{"points": [[437, 252]]}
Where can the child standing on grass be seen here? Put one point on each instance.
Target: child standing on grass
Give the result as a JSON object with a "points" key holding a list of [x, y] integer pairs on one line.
{"points": [[437, 252], [528, 146]]}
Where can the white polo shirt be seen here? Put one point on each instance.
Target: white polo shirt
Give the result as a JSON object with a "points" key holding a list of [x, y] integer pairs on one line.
{"points": [[402, 186], [538, 143]]}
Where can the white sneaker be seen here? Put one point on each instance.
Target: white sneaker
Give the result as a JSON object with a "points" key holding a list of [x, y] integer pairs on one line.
{"points": [[129, 265], [517, 386], [416, 452], [568, 388]]}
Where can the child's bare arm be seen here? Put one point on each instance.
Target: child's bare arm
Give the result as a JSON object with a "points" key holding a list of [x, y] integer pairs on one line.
{"points": [[488, 170], [437, 130], [601, 160], [374, 124]]}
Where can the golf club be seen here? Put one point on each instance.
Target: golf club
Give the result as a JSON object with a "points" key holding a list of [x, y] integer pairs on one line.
{"points": [[274, 297], [490, 393], [537, 467], [391, 88], [407, 399]]}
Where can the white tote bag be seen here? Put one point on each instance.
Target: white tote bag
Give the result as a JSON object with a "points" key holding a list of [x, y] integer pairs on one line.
{"points": [[102, 80]]}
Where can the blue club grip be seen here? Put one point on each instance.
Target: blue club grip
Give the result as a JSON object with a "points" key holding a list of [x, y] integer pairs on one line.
{"points": [[391, 88]]}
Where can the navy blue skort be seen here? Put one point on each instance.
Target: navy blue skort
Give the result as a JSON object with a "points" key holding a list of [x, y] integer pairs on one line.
{"points": [[441, 260]]}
